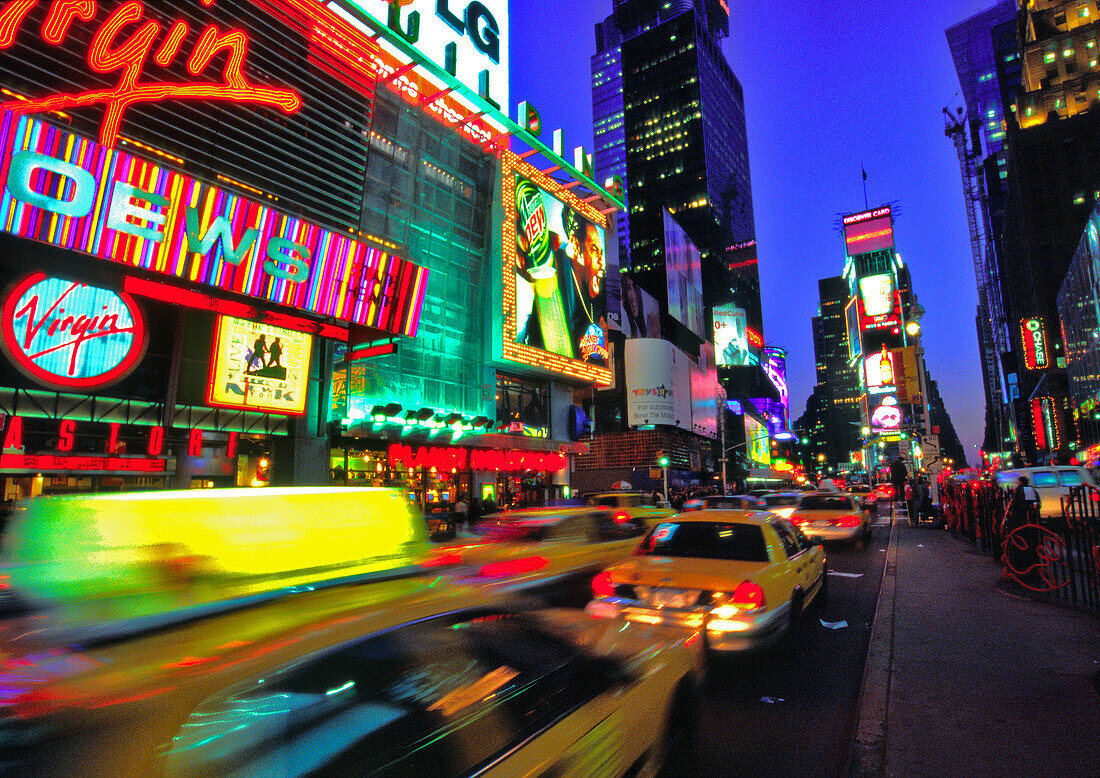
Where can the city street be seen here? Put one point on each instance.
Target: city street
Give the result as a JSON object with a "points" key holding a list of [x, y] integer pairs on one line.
{"points": [[789, 711]]}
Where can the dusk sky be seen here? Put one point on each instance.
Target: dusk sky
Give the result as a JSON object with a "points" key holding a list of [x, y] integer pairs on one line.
{"points": [[828, 88]]}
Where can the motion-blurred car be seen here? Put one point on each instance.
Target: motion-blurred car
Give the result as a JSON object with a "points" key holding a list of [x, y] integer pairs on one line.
{"points": [[865, 493], [833, 516], [884, 492], [440, 682], [553, 552], [636, 505], [742, 577], [783, 503], [727, 502]]}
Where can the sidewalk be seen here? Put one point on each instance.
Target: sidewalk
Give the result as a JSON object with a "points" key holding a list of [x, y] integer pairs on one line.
{"points": [[964, 679]]}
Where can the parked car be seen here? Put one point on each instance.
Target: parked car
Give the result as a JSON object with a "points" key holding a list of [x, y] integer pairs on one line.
{"points": [[833, 516], [740, 577], [447, 682], [553, 552], [743, 502], [1052, 482]]}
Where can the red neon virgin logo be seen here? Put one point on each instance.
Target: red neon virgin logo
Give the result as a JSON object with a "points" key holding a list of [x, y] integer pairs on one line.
{"points": [[68, 331], [131, 57]]}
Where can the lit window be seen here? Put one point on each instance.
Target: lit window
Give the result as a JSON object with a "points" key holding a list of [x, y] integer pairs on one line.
{"points": [[1049, 56], [1067, 53]]}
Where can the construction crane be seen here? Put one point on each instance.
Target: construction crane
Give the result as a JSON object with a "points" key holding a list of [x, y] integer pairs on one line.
{"points": [[990, 314]]}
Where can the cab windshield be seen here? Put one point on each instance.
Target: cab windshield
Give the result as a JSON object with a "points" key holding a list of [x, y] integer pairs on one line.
{"points": [[706, 540]]}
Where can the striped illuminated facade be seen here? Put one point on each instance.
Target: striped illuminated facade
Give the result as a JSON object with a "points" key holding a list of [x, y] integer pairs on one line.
{"points": [[346, 279]]}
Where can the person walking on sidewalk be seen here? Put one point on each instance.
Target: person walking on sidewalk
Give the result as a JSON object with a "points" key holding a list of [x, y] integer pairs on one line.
{"points": [[899, 474], [1021, 550]]}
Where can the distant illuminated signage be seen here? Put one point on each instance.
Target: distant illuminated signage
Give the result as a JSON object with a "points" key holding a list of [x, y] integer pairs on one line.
{"points": [[493, 460], [877, 293], [869, 231], [68, 191], [887, 415], [555, 303], [879, 371], [258, 367], [756, 436], [69, 335], [775, 367], [132, 59], [683, 277], [1034, 340], [756, 340], [731, 340], [851, 318]]}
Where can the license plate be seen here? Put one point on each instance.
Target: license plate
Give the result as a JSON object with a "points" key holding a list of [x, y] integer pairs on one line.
{"points": [[671, 598]]}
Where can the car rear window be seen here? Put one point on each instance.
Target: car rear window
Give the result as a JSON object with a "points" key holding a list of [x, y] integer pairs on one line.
{"points": [[706, 540], [1070, 478], [781, 500], [817, 502], [1044, 478]]}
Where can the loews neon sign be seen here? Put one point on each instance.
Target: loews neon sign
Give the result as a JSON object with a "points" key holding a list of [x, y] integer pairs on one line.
{"points": [[68, 335], [132, 57]]}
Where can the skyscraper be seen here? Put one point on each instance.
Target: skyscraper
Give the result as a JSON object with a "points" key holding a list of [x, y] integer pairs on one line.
{"points": [[670, 120], [838, 381]]}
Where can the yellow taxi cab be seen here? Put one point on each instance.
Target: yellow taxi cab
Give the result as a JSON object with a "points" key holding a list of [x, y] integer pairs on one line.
{"points": [[635, 505], [552, 551], [827, 516], [741, 577], [392, 679]]}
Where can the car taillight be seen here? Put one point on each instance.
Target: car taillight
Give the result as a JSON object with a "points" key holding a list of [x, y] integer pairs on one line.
{"points": [[443, 560], [513, 567], [848, 521], [798, 521], [621, 517], [602, 586], [748, 596]]}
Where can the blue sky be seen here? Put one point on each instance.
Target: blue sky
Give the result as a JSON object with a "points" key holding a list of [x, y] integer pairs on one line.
{"points": [[828, 88]]}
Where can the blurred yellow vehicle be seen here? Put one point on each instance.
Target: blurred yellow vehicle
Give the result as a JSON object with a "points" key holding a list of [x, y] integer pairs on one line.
{"points": [[636, 505], [833, 516], [742, 577], [551, 551], [146, 554], [394, 679]]}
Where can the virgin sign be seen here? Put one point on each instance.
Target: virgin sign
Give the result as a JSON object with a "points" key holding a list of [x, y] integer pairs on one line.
{"points": [[68, 335]]}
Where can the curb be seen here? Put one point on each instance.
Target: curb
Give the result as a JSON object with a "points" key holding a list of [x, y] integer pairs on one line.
{"points": [[868, 757]]}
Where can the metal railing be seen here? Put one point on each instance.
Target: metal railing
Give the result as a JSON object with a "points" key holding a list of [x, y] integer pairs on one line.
{"points": [[1054, 558]]}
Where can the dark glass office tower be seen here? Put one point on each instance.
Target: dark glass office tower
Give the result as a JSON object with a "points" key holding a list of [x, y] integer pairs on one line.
{"points": [[670, 120]]}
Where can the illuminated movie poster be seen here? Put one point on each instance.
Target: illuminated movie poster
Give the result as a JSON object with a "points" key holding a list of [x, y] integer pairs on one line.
{"points": [[561, 303], [683, 273], [757, 436], [731, 340], [258, 367]]}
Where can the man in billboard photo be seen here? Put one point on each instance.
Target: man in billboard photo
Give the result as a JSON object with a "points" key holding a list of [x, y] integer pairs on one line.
{"points": [[582, 253]]}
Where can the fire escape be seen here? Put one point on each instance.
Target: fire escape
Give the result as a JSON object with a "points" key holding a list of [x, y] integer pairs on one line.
{"points": [[991, 325]]}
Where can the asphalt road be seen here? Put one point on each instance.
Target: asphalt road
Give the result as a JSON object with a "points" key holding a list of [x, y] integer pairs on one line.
{"points": [[790, 711]]}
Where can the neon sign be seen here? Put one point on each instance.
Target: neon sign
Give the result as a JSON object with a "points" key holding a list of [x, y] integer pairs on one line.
{"points": [[131, 58], [73, 193], [493, 460], [1034, 340], [756, 340], [68, 335]]}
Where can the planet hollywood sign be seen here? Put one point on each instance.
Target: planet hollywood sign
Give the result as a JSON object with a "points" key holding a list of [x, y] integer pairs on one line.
{"points": [[456, 458]]}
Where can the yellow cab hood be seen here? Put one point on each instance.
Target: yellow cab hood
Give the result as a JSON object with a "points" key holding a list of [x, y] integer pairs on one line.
{"points": [[685, 572]]}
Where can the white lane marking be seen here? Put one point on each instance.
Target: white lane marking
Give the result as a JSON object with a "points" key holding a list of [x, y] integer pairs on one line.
{"points": [[845, 575], [833, 624]]}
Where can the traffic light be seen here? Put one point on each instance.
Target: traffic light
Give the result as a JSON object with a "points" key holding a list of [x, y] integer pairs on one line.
{"points": [[662, 459]]}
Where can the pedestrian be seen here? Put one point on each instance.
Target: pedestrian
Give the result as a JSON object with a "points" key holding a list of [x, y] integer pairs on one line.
{"points": [[462, 514], [1021, 551], [899, 474]]}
